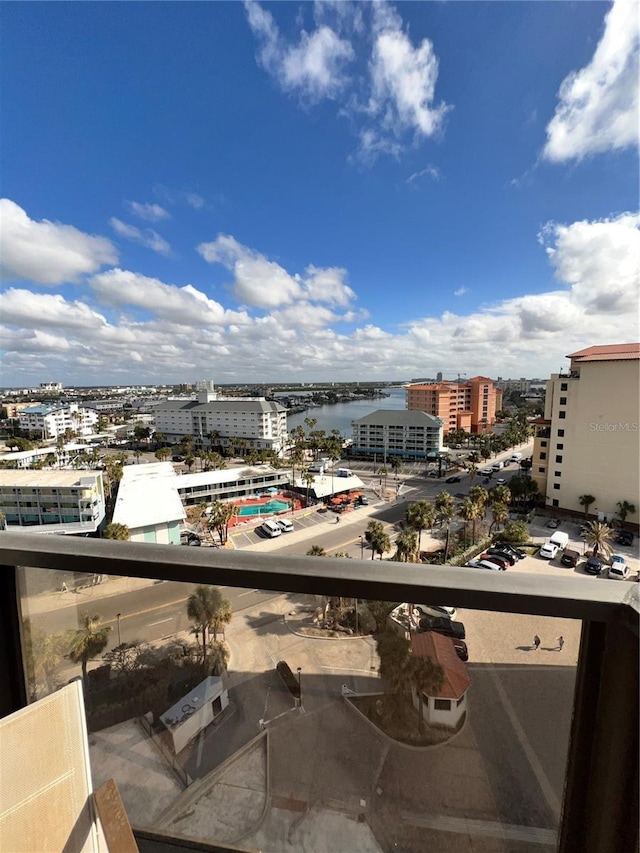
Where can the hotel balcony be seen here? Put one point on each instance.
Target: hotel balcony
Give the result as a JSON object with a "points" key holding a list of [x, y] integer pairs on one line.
{"points": [[545, 758]]}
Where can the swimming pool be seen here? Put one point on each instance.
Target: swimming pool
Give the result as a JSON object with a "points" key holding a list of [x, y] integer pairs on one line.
{"points": [[267, 508]]}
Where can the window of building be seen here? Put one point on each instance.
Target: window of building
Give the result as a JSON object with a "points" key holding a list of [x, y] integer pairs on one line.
{"points": [[541, 470], [558, 474], [556, 486], [543, 456], [560, 433], [562, 415], [564, 386], [555, 502], [560, 447], [563, 401], [442, 704], [558, 459]]}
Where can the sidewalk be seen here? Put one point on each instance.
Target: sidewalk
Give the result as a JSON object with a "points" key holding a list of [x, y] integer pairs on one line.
{"points": [[33, 605]]}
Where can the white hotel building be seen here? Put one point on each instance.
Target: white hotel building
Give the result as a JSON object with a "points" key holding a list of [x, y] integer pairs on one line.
{"points": [[261, 423], [52, 501]]}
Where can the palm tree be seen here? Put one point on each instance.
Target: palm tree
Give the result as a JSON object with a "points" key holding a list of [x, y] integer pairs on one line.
{"points": [[162, 454], [467, 512], [88, 642], [396, 465], [445, 512], [381, 543], [316, 551], [208, 609], [308, 479], [117, 531], [499, 513], [221, 514], [406, 544], [624, 509], [597, 536], [473, 471], [424, 676], [420, 515], [394, 653], [372, 533], [586, 501], [500, 494]]}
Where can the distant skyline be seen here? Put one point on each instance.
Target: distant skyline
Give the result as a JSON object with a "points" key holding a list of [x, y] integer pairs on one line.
{"points": [[276, 192]]}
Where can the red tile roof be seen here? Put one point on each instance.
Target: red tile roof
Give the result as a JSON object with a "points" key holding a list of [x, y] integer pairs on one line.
{"points": [[610, 352], [545, 421], [440, 649]]}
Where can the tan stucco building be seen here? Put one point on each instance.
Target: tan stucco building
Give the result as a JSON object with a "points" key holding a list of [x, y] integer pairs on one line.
{"points": [[469, 405], [588, 440]]}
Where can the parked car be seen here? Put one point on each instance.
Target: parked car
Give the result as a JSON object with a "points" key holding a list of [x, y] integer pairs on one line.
{"points": [[270, 529], [553, 523], [484, 564], [453, 479], [625, 537], [618, 570], [177, 458], [190, 539], [461, 648], [500, 559], [518, 553], [593, 566], [499, 552], [285, 525], [501, 481], [569, 558], [549, 550], [363, 500], [435, 610], [443, 626]]}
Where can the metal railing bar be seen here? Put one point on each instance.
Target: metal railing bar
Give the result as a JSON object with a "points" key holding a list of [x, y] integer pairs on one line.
{"points": [[510, 591]]}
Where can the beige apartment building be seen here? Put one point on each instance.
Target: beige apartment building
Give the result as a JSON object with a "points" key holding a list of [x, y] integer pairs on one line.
{"points": [[587, 441], [469, 405]]}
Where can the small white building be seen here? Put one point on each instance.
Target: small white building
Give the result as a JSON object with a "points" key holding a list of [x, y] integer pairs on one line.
{"points": [[50, 455], [195, 711], [148, 503], [445, 705], [50, 421]]}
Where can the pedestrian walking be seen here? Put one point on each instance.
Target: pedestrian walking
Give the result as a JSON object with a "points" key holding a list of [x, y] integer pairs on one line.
{"points": [[536, 641], [560, 642]]}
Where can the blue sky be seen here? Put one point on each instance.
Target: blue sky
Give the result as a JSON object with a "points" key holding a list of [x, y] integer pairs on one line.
{"points": [[315, 191]]}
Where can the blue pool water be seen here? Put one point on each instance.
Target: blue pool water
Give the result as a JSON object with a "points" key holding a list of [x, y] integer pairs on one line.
{"points": [[264, 509]]}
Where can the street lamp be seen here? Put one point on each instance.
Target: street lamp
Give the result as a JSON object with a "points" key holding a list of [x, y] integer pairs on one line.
{"points": [[362, 547], [299, 686], [118, 615]]}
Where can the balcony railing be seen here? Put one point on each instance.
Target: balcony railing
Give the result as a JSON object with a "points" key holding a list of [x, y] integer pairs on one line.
{"points": [[600, 804]]}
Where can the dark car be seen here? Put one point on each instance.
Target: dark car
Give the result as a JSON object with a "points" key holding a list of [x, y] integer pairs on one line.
{"points": [[569, 557], [177, 458], [485, 481], [499, 552], [363, 500], [452, 480], [443, 626], [625, 537], [593, 566], [501, 559], [461, 649], [518, 553]]}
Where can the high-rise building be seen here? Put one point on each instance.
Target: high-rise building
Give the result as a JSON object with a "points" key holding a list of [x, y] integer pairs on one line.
{"points": [[587, 441], [469, 405]]}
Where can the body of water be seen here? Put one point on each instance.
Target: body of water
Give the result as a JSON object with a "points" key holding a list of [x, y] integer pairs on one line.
{"points": [[340, 415]]}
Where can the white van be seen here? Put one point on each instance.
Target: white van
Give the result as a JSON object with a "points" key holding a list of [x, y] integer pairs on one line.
{"points": [[516, 457], [560, 539], [496, 466], [285, 525], [271, 529]]}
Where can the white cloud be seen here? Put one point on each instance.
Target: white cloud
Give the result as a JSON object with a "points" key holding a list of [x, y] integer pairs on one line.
{"points": [[21, 307], [148, 238], [430, 171], [262, 283], [194, 200], [460, 291], [403, 78], [148, 211], [182, 305], [313, 68], [598, 105], [47, 252]]}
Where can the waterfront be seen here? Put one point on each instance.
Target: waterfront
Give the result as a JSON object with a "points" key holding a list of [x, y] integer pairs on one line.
{"points": [[340, 415]]}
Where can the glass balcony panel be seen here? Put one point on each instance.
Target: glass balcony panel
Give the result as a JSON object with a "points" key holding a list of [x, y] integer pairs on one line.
{"points": [[321, 751]]}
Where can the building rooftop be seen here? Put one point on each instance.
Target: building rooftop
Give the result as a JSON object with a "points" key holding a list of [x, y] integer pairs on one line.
{"points": [[222, 405], [404, 416], [45, 479], [609, 352], [441, 650], [224, 475], [147, 495]]}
